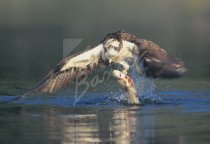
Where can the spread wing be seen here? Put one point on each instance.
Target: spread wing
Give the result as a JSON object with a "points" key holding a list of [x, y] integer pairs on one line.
{"points": [[69, 69], [158, 63]]}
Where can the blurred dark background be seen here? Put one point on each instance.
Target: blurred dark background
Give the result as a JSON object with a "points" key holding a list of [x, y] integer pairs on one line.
{"points": [[32, 32]]}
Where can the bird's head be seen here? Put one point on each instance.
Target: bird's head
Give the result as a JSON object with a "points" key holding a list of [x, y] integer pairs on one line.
{"points": [[112, 47]]}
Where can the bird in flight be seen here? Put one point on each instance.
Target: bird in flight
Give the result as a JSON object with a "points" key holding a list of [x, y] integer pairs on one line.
{"points": [[117, 48]]}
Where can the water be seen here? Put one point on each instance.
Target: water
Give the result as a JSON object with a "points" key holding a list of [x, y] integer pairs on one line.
{"points": [[182, 116], [145, 86]]}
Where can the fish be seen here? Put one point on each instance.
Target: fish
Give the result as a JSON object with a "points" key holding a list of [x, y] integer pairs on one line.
{"points": [[128, 86]]}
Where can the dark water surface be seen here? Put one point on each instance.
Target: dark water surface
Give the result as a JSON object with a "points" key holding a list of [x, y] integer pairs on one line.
{"points": [[178, 117]]}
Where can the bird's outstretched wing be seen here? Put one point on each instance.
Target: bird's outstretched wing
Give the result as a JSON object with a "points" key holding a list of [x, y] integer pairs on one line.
{"points": [[156, 61], [69, 69]]}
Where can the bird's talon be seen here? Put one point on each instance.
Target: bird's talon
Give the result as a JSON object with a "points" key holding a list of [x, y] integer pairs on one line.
{"points": [[125, 72]]}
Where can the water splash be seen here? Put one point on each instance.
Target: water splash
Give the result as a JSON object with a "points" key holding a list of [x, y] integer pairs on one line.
{"points": [[144, 86]]}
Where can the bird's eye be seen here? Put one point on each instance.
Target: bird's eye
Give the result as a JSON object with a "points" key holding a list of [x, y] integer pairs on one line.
{"points": [[111, 46]]}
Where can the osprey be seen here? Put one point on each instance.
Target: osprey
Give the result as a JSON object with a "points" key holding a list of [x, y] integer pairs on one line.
{"points": [[117, 48]]}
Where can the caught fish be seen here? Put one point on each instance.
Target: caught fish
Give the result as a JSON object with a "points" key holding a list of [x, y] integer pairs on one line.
{"points": [[127, 85]]}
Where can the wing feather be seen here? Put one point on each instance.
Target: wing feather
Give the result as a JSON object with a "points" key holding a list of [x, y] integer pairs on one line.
{"points": [[69, 69], [156, 61]]}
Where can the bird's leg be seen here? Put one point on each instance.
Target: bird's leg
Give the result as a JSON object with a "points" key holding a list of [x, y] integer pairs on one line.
{"points": [[125, 66]]}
